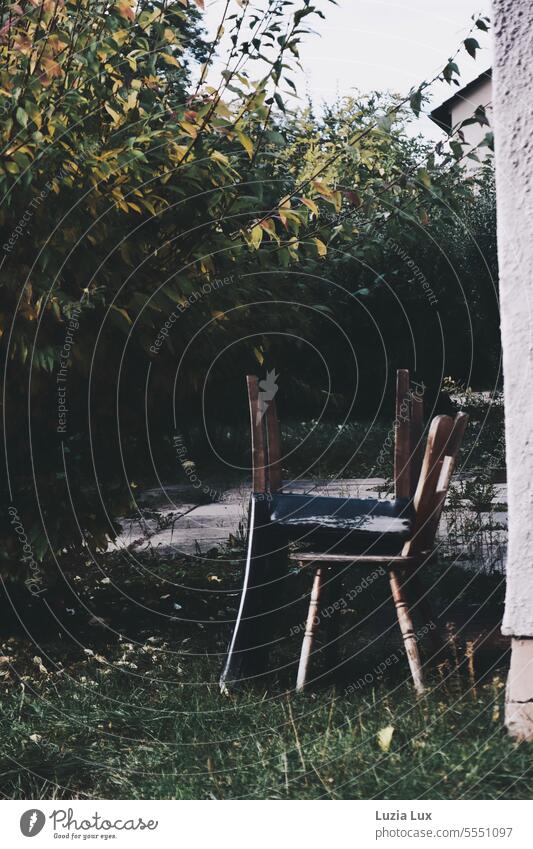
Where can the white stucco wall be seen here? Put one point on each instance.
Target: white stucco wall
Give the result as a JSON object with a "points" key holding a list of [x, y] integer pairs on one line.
{"points": [[513, 123]]}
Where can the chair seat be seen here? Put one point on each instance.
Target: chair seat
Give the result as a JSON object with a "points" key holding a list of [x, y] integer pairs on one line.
{"points": [[359, 524]]}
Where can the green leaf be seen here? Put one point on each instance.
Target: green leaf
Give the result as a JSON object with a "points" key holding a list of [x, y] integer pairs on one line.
{"points": [[279, 101], [449, 70], [471, 45], [424, 177], [457, 149], [488, 141], [291, 84], [480, 116], [21, 116], [415, 102], [301, 13]]}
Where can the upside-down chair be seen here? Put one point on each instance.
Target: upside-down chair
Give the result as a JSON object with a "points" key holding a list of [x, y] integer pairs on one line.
{"points": [[398, 534]]}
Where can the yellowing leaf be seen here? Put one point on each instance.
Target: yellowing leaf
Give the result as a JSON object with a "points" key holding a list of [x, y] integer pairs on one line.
{"points": [[207, 266], [147, 18], [169, 35], [223, 109], [320, 247], [115, 116], [256, 236], [132, 100], [246, 142], [385, 737], [218, 156], [269, 226], [322, 189], [55, 44], [23, 44], [51, 67], [120, 36], [310, 204], [190, 129], [122, 312], [125, 10], [105, 51], [170, 60], [259, 356]]}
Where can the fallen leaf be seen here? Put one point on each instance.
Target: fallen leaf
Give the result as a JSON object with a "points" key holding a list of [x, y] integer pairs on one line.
{"points": [[385, 737], [39, 663]]}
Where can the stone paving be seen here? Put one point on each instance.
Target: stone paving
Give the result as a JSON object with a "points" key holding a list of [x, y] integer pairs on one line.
{"points": [[169, 520]]}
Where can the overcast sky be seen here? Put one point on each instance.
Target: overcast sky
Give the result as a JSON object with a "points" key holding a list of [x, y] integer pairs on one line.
{"points": [[384, 45]]}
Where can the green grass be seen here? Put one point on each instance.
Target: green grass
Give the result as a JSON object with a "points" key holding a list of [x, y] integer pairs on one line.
{"points": [[92, 714], [142, 731]]}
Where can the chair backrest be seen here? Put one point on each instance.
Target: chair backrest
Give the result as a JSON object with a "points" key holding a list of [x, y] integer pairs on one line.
{"points": [[408, 435], [440, 458], [408, 449], [424, 478], [266, 440]]}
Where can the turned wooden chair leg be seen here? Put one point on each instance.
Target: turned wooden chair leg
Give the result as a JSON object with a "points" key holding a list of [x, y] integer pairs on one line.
{"points": [[436, 636], [310, 629], [407, 629]]}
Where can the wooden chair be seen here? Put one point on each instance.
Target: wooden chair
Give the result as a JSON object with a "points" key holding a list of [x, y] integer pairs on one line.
{"points": [[398, 535]]}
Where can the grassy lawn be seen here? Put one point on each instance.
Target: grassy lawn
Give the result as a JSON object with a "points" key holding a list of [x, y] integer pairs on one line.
{"points": [[127, 706], [111, 734]]}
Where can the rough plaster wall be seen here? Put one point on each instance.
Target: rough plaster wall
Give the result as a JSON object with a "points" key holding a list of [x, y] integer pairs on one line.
{"points": [[513, 125]]}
